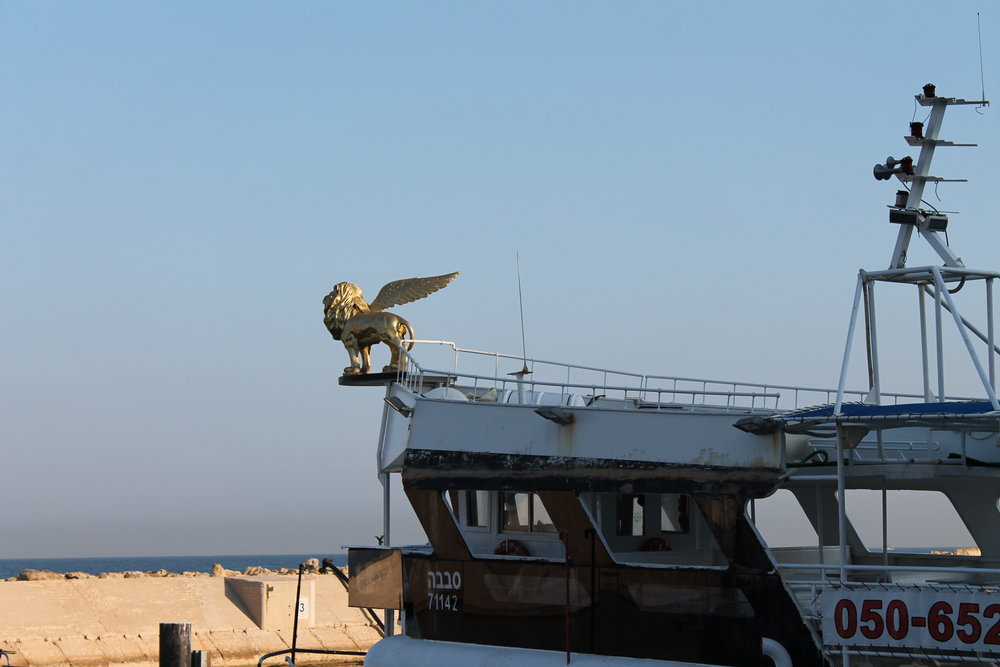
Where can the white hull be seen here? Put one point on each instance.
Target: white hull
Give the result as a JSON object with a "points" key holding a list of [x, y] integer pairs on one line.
{"points": [[400, 651]]}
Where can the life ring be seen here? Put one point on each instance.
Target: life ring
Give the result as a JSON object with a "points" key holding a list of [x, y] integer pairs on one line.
{"points": [[511, 548], [655, 544]]}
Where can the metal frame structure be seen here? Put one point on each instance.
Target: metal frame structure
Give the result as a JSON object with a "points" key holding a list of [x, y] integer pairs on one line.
{"points": [[933, 282]]}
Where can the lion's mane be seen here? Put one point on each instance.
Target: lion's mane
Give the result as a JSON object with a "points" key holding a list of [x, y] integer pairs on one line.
{"points": [[340, 305]]}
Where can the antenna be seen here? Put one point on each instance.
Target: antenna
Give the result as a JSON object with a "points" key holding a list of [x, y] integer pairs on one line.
{"points": [[520, 299], [982, 77]]}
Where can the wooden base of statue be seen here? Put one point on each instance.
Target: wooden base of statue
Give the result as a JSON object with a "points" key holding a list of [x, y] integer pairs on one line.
{"points": [[382, 379]]}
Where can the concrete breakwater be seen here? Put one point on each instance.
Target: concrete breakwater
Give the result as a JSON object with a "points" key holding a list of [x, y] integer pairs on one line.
{"points": [[113, 619]]}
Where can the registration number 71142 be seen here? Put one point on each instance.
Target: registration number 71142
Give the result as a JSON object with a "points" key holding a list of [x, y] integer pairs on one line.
{"points": [[444, 590]]}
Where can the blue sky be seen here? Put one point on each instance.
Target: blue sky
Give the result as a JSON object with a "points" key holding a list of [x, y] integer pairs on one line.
{"points": [[688, 185]]}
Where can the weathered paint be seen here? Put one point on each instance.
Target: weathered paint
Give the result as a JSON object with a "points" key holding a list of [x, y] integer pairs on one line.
{"points": [[476, 470], [678, 437]]}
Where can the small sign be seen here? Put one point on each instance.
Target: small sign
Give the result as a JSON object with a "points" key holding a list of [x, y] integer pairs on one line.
{"points": [[450, 585], [303, 607], [912, 618]]}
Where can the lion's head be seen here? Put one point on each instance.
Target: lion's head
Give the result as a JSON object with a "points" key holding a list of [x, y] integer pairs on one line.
{"points": [[340, 305]]}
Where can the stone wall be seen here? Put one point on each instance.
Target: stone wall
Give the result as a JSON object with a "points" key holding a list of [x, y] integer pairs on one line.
{"points": [[114, 619]]}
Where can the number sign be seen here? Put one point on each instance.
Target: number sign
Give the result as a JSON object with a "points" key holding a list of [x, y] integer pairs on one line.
{"points": [[451, 585], [912, 618]]}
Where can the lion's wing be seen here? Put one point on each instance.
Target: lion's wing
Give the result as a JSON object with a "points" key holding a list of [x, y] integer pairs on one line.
{"points": [[403, 291]]}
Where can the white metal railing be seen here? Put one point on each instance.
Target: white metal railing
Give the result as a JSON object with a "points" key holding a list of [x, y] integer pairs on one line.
{"points": [[834, 569], [888, 451], [593, 383]]}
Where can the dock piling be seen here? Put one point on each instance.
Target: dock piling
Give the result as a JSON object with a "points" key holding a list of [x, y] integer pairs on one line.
{"points": [[175, 645]]}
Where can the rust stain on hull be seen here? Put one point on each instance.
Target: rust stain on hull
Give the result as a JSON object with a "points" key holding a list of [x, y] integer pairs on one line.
{"points": [[457, 470]]}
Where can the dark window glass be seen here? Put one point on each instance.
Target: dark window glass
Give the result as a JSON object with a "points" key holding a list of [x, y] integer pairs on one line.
{"points": [[673, 513], [629, 510], [515, 511], [477, 509]]}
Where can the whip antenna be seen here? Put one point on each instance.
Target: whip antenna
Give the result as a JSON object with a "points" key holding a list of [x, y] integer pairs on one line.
{"points": [[982, 77], [520, 300]]}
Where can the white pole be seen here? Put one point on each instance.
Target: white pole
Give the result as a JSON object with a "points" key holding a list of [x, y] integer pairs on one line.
{"points": [[922, 168], [820, 534], [940, 343], [383, 477], [885, 531], [969, 325], [876, 392], [841, 504], [847, 348], [842, 523], [921, 297], [939, 282], [390, 615], [989, 332]]}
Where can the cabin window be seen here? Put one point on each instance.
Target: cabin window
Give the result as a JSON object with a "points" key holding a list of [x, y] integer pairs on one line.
{"points": [[524, 512], [516, 511], [673, 513], [782, 521], [908, 514], [450, 499], [540, 520], [629, 512], [477, 509]]}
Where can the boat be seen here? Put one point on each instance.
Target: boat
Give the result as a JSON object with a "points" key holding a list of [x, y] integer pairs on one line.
{"points": [[577, 515]]}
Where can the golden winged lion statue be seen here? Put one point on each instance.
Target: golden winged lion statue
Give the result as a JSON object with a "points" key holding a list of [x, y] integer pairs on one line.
{"points": [[359, 324]]}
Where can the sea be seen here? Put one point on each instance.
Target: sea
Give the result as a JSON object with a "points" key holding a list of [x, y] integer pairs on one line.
{"points": [[11, 567]]}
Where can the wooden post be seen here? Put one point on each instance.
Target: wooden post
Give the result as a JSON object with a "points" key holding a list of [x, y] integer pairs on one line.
{"points": [[175, 645], [201, 659]]}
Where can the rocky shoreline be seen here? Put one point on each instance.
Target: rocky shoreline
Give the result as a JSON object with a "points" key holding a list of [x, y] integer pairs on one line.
{"points": [[310, 566]]}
